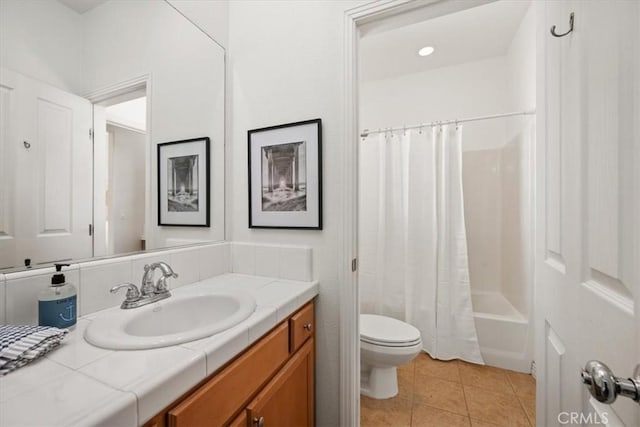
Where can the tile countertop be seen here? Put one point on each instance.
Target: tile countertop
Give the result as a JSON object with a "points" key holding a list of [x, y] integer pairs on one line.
{"points": [[79, 384]]}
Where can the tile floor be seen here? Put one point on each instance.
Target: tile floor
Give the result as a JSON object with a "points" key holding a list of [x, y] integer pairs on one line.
{"points": [[451, 394]]}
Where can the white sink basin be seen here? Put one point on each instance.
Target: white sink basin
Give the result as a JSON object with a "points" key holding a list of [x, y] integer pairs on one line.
{"points": [[172, 321]]}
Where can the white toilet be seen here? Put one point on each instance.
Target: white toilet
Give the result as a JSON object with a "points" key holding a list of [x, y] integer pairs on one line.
{"points": [[385, 344]]}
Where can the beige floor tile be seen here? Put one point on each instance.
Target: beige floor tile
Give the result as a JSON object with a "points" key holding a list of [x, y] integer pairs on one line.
{"points": [[454, 394], [427, 416], [529, 405], [405, 382], [440, 394], [386, 412], [446, 370], [487, 377], [498, 408], [524, 385], [480, 423], [408, 368]]}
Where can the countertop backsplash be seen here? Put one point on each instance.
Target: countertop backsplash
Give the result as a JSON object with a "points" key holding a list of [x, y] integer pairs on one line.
{"points": [[19, 290]]}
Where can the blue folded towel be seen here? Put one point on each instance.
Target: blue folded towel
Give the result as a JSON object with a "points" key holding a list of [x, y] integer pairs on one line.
{"points": [[20, 345]]}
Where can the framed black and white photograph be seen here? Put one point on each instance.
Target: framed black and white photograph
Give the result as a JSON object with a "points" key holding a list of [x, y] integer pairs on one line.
{"points": [[183, 183], [285, 176]]}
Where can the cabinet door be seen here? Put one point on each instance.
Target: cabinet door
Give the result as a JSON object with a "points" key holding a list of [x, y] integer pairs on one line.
{"points": [[240, 420], [287, 400]]}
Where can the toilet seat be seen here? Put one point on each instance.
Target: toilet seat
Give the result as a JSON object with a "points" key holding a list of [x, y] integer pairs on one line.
{"points": [[387, 332], [388, 344]]}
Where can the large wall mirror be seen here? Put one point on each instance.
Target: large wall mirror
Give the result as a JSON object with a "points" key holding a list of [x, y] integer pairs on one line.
{"points": [[88, 89]]}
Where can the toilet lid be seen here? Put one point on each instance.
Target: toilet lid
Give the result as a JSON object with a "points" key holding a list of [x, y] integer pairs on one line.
{"points": [[386, 330]]}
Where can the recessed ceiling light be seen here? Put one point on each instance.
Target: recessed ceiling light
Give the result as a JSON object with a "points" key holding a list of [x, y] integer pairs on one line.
{"points": [[426, 51]]}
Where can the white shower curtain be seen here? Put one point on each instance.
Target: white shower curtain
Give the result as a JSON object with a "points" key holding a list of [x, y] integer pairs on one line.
{"points": [[418, 256]]}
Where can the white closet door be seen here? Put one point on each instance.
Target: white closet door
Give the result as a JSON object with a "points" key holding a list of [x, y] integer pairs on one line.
{"points": [[52, 200], [588, 210]]}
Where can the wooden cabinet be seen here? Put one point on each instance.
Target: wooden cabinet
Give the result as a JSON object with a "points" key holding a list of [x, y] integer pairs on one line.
{"points": [[287, 401], [270, 384]]}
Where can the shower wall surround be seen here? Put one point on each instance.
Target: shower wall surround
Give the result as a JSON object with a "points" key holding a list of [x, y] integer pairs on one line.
{"points": [[19, 291]]}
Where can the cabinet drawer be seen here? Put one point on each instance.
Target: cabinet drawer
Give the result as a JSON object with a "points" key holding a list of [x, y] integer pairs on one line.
{"points": [[301, 327], [227, 392]]}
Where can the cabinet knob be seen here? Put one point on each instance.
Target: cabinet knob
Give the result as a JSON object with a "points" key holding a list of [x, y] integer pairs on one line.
{"points": [[307, 327], [259, 422]]}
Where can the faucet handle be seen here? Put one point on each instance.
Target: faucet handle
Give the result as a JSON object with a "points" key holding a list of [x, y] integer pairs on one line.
{"points": [[133, 293]]}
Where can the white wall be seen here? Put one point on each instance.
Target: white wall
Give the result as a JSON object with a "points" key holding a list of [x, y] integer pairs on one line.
{"points": [[521, 63], [186, 69], [286, 62], [517, 166], [212, 16], [467, 90], [42, 40], [126, 189]]}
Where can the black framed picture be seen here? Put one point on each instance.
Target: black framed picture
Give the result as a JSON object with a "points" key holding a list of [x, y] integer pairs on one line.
{"points": [[285, 176], [183, 183]]}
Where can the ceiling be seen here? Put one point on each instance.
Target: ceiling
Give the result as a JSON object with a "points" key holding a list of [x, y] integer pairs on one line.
{"points": [[132, 114], [470, 35], [82, 6]]}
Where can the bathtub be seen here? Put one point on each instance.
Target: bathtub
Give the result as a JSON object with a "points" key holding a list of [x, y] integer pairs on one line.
{"points": [[503, 332]]}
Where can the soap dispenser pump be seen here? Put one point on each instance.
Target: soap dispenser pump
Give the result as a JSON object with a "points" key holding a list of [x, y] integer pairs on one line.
{"points": [[57, 305]]}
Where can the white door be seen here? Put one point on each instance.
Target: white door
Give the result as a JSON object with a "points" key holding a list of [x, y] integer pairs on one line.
{"points": [[588, 207], [51, 203]]}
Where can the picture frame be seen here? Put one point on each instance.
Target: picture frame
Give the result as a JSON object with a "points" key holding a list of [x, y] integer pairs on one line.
{"points": [[183, 183], [285, 176]]}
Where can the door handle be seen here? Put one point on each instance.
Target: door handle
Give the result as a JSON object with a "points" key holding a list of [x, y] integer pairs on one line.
{"points": [[606, 387]]}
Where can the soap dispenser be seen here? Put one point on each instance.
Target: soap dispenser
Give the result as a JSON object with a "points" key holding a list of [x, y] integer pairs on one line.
{"points": [[57, 305]]}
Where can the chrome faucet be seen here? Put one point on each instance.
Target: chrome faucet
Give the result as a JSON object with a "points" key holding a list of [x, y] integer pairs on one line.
{"points": [[147, 287], [149, 292]]}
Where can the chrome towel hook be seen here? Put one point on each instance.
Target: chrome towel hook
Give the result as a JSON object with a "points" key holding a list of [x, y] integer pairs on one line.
{"points": [[553, 29]]}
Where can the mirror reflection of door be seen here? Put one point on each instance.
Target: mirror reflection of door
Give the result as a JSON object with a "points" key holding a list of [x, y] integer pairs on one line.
{"points": [[119, 208], [45, 173]]}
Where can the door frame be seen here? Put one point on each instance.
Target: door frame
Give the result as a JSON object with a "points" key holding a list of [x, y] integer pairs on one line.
{"points": [[122, 89], [354, 20]]}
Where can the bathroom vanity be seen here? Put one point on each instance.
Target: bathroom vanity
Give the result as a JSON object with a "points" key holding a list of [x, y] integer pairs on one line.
{"points": [[259, 371], [272, 382]]}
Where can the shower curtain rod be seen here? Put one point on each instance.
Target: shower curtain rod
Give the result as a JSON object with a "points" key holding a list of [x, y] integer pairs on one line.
{"points": [[367, 132]]}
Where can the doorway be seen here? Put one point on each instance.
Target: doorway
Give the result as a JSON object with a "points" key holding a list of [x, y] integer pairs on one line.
{"points": [[445, 229], [586, 247], [121, 140]]}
